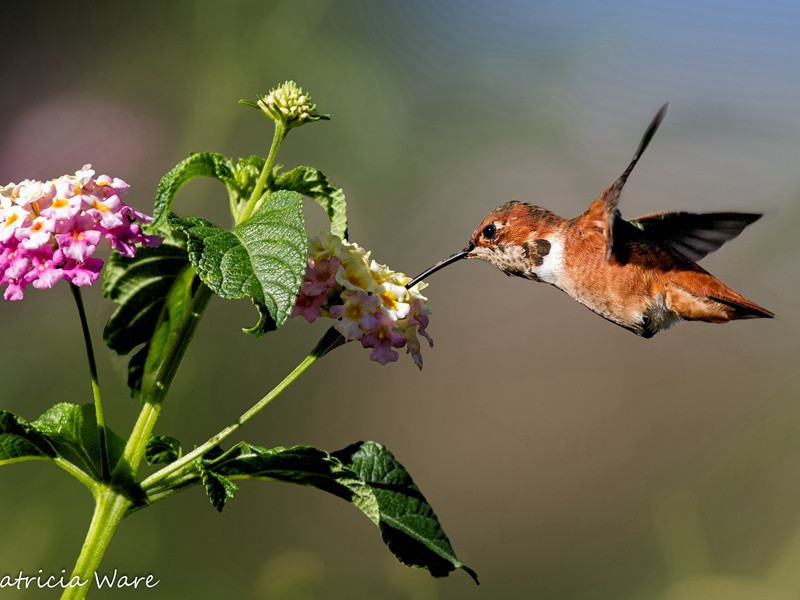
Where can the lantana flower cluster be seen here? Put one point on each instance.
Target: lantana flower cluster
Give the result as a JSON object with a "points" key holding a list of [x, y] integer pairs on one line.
{"points": [[49, 230], [367, 301]]}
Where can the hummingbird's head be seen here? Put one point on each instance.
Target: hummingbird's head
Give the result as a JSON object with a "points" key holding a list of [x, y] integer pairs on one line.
{"points": [[509, 238], [500, 231]]}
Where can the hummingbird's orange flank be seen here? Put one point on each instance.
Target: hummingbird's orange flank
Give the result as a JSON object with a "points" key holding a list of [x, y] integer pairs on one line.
{"points": [[640, 274]]}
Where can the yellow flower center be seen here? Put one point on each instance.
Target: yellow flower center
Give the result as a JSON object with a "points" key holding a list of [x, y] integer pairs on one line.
{"points": [[389, 301], [356, 280], [59, 203], [99, 206], [353, 312]]}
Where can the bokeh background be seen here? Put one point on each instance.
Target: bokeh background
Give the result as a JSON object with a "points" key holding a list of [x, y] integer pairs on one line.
{"points": [[565, 457]]}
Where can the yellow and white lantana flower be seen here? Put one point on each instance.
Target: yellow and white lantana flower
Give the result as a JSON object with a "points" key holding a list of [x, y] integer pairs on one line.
{"points": [[367, 300]]}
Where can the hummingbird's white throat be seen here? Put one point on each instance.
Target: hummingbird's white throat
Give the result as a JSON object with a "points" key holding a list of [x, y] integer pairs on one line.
{"points": [[552, 268]]}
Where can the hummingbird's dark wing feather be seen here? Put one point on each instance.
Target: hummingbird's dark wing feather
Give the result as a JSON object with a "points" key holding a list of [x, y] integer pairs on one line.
{"points": [[694, 235], [604, 209]]}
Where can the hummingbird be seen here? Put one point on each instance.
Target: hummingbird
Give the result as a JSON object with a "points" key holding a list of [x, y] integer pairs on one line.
{"points": [[641, 274]]}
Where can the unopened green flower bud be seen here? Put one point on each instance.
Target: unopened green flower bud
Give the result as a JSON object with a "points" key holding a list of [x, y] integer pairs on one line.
{"points": [[288, 104]]}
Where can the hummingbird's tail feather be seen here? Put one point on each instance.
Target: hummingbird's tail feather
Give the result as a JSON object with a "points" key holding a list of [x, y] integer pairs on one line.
{"points": [[744, 309], [718, 306]]}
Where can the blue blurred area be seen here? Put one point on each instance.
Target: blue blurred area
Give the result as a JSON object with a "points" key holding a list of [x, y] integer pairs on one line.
{"points": [[566, 458]]}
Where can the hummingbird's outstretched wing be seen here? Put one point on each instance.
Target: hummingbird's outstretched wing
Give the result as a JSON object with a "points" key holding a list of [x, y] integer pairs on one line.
{"points": [[604, 209], [694, 235]]}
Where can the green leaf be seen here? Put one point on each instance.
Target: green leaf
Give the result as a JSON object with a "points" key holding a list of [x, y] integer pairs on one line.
{"points": [[139, 285], [219, 488], [19, 440], [263, 258], [203, 164], [312, 183], [65, 434], [409, 526], [72, 432], [171, 324], [162, 449], [300, 464], [153, 290], [365, 474]]}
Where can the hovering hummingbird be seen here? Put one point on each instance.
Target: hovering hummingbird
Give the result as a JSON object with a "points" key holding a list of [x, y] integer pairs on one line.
{"points": [[640, 274]]}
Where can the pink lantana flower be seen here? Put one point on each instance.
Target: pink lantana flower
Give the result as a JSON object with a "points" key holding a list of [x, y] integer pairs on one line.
{"points": [[350, 316], [84, 273], [78, 240], [321, 277], [316, 287], [309, 307], [367, 300], [50, 230], [37, 234], [44, 270], [382, 335]]}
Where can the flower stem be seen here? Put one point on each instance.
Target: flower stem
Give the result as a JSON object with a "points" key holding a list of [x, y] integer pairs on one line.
{"points": [[109, 510], [266, 173], [98, 403], [134, 449], [86, 479], [332, 339]]}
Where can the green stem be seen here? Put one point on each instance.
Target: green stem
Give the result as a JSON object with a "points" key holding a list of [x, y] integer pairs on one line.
{"points": [[332, 339], [78, 474], [111, 506], [266, 173], [134, 449], [109, 510], [98, 402]]}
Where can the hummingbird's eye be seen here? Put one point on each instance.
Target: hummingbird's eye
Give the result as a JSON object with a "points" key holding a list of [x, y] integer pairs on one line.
{"points": [[489, 231]]}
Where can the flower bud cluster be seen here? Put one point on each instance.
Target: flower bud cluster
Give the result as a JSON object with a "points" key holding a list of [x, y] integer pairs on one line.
{"points": [[368, 301], [288, 104], [50, 230]]}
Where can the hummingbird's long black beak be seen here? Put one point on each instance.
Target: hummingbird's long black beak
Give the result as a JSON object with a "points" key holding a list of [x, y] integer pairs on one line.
{"points": [[440, 265]]}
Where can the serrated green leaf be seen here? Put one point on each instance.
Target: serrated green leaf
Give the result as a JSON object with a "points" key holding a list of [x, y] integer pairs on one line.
{"points": [[409, 526], [365, 474], [202, 164], [312, 183], [262, 258], [154, 290], [65, 434], [219, 488], [162, 449], [304, 465], [177, 309], [19, 440], [139, 285], [72, 432]]}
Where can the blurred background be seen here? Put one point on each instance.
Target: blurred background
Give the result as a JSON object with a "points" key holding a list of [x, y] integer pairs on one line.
{"points": [[565, 457]]}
